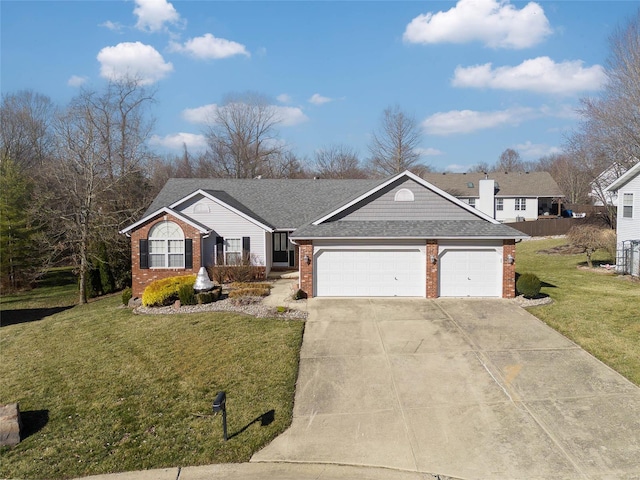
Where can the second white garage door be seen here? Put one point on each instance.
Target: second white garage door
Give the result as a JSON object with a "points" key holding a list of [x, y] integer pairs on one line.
{"points": [[470, 273], [370, 273]]}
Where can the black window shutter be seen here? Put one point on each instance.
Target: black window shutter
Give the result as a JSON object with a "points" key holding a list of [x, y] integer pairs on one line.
{"points": [[188, 253], [144, 254], [219, 251], [246, 249]]}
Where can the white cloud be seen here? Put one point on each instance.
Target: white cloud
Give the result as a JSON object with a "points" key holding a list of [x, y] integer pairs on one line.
{"points": [[284, 98], [176, 141], [496, 23], [209, 47], [288, 116], [467, 121], [133, 60], [113, 26], [318, 99], [153, 14], [76, 81], [427, 152], [540, 75], [456, 168], [530, 150]]}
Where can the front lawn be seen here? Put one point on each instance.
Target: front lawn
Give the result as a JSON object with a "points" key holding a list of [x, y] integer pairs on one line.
{"points": [[104, 390], [598, 311]]}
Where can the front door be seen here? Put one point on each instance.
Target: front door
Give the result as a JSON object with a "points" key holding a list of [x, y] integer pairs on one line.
{"points": [[280, 247]]}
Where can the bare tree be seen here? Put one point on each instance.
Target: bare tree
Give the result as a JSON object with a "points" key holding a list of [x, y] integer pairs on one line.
{"points": [[509, 161], [25, 128], [338, 161], [609, 137], [569, 173], [95, 183], [482, 167], [393, 146], [243, 138], [591, 239]]}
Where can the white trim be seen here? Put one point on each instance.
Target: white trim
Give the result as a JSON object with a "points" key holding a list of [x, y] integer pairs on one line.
{"points": [[416, 179], [215, 199], [624, 178], [430, 237], [169, 211]]}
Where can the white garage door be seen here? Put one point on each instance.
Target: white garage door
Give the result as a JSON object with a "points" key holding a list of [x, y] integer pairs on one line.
{"points": [[470, 273], [370, 273]]}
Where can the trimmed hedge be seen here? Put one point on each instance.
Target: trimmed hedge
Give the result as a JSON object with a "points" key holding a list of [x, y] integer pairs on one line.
{"points": [[528, 284], [126, 296], [239, 285], [187, 295], [166, 291]]}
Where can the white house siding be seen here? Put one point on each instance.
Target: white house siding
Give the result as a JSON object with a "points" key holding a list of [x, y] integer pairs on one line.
{"points": [[629, 228], [227, 224], [510, 214]]}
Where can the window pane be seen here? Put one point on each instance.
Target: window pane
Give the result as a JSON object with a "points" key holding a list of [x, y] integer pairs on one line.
{"points": [[234, 245], [156, 260], [283, 242], [233, 258], [157, 246], [627, 199], [176, 246], [176, 261]]}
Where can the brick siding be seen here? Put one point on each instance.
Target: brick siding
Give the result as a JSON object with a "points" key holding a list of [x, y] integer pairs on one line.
{"points": [[432, 269], [306, 271], [140, 278], [508, 270]]}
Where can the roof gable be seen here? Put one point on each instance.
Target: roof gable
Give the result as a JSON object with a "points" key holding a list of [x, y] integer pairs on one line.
{"points": [[166, 210], [378, 203], [628, 176]]}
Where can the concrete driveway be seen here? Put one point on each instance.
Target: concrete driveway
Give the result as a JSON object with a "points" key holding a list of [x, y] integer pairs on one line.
{"points": [[464, 388]]}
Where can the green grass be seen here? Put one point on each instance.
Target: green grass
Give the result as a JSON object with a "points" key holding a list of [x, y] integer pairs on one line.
{"points": [[600, 312], [104, 390]]}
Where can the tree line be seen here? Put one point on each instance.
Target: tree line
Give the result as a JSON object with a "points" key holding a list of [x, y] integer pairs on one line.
{"points": [[71, 177]]}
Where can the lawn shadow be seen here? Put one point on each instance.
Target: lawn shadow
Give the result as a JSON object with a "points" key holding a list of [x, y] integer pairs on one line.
{"points": [[33, 421], [265, 419], [26, 315]]}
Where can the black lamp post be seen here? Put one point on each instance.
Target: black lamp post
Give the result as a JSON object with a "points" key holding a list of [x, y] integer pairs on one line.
{"points": [[220, 404]]}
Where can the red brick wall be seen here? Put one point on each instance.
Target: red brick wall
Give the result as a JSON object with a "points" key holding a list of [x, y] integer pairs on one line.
{"points": [[432, 269], [306, 271], [140, 278], [508, 270]]}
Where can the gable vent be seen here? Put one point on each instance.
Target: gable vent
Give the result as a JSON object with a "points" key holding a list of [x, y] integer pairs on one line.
{"points": [[404, 195]]}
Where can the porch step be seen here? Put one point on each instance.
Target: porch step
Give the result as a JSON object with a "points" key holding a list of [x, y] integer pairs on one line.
{"points": [[284, 274]]}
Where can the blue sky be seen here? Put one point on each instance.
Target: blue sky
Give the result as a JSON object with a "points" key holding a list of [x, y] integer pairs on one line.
{"points": [[479, 76]]}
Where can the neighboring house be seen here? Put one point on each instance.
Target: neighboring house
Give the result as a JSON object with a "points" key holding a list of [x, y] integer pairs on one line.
{"points": [[599, 194], [505, 196], [396, 237], [627, 188]]}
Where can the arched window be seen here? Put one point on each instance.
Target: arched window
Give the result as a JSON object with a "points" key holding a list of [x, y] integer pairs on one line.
{"points": [[404, 195], [166, 246]]}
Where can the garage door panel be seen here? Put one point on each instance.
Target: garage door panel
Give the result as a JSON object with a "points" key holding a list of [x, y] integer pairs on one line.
{"points": [[370, 272], [470, 273]]}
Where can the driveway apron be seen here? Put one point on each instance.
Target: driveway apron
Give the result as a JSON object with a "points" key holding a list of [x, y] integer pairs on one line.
{"points": [[462, 388]]}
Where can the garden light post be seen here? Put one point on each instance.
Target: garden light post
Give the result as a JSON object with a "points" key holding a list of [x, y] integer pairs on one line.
{"points": [[220, 404]]}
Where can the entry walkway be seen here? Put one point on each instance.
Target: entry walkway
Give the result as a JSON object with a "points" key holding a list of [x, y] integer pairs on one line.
{"points": [[464, 388]]}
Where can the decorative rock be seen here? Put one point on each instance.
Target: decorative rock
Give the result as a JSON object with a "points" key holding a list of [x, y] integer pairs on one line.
{"points": [[134, 302], [176, 305], [10, 425]]}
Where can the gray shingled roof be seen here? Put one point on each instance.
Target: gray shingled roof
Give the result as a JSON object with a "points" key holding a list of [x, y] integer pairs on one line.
{"points": [[278, 203], [512, 184], [407, 229]]}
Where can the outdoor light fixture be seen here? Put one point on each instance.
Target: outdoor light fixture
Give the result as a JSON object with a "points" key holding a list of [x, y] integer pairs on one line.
{"points": [[434, 259], [307, 260], [510, 259], [220, 404]]}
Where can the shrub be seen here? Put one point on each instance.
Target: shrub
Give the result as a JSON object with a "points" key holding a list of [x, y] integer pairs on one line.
{"points": [[249, 292], [126, 296], [591, 238], [187, 295], [165, 291], [208, 297], [528, 284]]}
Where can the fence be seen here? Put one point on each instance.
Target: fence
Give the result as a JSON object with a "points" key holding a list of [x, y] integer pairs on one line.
{"points": [[628, 261], [548, 227]]}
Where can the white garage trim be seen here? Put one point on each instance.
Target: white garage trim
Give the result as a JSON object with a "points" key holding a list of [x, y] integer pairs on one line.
{"points": [[374, 269], [470, 270]]}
